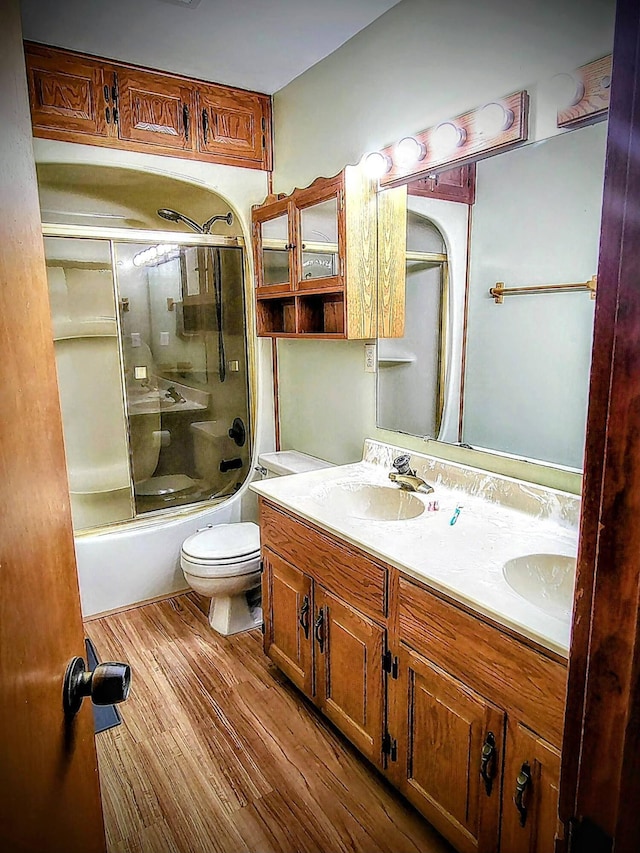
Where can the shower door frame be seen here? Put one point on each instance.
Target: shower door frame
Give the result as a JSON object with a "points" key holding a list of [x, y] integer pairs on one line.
{"points": [[130, 235]]}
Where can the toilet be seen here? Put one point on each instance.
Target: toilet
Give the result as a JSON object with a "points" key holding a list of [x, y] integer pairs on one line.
{"points": [[223, 561]]}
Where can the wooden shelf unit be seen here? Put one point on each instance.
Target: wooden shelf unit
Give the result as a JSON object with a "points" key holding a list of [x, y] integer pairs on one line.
{"points": [[315, 254]]}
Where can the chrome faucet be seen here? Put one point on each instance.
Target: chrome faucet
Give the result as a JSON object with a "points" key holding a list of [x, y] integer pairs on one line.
{"points": [[172, 393], [406, 478]]}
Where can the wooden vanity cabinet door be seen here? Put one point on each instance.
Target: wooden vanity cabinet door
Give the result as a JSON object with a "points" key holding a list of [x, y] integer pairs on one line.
{"points": [[441, 727], [349, 676], [155, 109], [288, 608], [67, 95], [531, 777]]}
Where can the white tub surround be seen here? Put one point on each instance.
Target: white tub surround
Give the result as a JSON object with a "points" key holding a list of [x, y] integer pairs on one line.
{"points": [[500, 519]]}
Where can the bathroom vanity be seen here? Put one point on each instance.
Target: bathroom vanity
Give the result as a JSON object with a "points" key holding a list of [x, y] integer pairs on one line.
{"points": [[405, 632]]}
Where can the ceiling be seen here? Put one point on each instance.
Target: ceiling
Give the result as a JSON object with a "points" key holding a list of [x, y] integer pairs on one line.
{"points": [[253, 44]]}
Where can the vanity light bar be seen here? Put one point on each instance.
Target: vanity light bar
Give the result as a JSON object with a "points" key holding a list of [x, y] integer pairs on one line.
{"points": [[492, 127], [593, 88]]}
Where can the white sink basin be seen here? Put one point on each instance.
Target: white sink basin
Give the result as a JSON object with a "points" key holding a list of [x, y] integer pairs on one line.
{"points": [[545, 580], [367, 501]]}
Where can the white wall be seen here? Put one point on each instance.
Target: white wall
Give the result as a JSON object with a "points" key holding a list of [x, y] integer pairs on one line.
{"points": [[421, 62]]}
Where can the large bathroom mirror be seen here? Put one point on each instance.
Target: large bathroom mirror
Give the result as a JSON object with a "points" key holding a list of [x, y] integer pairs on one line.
{"points": [[508, 375]]}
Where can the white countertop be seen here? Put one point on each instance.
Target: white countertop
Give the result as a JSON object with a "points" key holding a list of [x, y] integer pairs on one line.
{"points": [[463, 561]]}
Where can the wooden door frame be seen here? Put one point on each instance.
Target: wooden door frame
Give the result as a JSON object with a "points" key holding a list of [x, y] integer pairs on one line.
{"points": [[600, 786]]}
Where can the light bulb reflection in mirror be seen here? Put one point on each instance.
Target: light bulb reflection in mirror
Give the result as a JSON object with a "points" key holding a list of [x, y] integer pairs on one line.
{"points": [[568, 90]]}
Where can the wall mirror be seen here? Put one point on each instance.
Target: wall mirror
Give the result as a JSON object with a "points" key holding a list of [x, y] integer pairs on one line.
{"points": [[510, 376]]}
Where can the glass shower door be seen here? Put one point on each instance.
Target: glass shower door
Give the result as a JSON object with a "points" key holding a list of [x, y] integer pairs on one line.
{"points": [[185, 366]]}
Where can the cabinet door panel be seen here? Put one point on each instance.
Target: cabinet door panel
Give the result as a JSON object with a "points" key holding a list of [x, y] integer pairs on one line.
{"points": [[155, 109], [67, 93], [442, 727], [458, 184], [530, 807], [288, 624], [231, 124], [349, 675]]}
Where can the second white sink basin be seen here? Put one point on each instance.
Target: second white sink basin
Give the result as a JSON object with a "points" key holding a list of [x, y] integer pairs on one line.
{"points": [[545, 580], [370, 502]]}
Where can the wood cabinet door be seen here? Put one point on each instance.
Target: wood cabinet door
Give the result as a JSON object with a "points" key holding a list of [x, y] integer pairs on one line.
{"points": [[231, 125], [458, 184], [530, 800], [67, 93], [288, 622], [349, 674], [444, 729], [155, 109]]}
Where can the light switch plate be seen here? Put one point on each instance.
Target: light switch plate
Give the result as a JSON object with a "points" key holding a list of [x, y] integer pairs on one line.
{"points": [[164, 339], [140, 371], [136, 340]]}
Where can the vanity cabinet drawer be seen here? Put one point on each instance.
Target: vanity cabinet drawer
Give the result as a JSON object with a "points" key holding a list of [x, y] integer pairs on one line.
{"points": [[491, 662], [358, 581]]}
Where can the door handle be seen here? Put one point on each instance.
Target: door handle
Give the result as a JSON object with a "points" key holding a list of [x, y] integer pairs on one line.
{"points": [[488, 761], [107, 684], [523, 781], [318, 630], [185, 121], [303, 618], [205, 126]]}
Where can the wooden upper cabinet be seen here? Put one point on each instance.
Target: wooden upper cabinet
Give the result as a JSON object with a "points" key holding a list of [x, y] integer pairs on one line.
{"points": [[155, 109], [68, 94], [315, 250], [457, 184], [78, 98], [232, 124]]}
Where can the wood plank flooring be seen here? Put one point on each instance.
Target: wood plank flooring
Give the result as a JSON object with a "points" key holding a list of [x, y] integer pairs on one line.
{"points": [[218, 753]]}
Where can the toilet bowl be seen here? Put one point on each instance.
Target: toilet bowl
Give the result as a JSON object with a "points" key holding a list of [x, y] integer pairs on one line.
{"points": [[223, 563]]}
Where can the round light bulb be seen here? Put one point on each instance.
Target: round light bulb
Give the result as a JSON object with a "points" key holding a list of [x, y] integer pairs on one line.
{"points": [[376, 165], [408, 152], [569, 90], [493, 119], [447, 137]]}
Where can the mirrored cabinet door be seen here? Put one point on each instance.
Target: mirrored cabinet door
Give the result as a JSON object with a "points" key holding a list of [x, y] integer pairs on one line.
{"points": [[274, 248], [319, 234]]}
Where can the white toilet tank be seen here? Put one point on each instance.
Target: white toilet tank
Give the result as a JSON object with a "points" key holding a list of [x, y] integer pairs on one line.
{"points": [[283, 462]]}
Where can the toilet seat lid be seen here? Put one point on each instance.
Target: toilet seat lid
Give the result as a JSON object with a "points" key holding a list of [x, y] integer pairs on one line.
{"points": [[224, 542], [208, 569]]}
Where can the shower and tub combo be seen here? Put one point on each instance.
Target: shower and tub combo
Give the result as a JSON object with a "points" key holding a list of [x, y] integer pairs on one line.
{"points": [[151, 347]]}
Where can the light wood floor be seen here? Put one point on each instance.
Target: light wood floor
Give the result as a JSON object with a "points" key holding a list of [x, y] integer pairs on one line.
{"points": [[218, 752]]}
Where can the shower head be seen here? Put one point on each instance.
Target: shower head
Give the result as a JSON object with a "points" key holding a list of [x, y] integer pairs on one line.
{"points": [[174, 216], [228, 218]]}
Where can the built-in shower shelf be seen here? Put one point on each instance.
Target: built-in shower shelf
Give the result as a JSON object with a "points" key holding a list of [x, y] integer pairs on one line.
{"points": [[93, 481], [390, 361], [103, 327]]}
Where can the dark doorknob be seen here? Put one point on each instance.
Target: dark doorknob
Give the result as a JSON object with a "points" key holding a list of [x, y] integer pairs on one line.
{"points": [[107, 684]]}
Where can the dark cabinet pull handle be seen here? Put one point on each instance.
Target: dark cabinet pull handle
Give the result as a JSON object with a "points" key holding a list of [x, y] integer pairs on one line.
{"points": [[318, 630], [106, 93], [290, 246], [303, 618], [185, 121], [523, 781], [205, 126], [107, 114], [488, 761]]}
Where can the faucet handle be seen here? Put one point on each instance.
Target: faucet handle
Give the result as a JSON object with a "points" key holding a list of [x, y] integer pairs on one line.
{"points": [[401, 464]]}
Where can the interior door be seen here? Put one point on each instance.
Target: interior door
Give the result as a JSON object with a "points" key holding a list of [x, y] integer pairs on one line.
{"points": [[49, 796]]}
